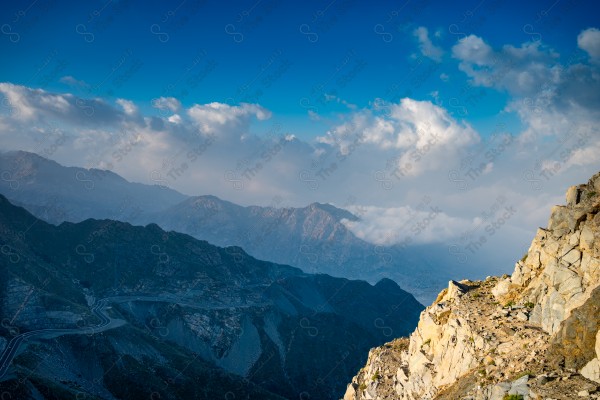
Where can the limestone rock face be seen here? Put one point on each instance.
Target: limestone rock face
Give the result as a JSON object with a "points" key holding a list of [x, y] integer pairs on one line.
{"points": [[524, 334], [562, 265]]}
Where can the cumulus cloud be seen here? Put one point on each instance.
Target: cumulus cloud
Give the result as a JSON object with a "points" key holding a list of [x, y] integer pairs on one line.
{"points": [[232, 151], [128, 106], [534, 72], [555, 98], [213, 116], [428, 49], [589, 40], [519, 70], [472, 50], [384, 157], [422, 135], [27, 104]]}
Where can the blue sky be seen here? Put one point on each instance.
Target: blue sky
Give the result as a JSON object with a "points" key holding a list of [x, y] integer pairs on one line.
{"points": [[204, 51], [372, 107]]}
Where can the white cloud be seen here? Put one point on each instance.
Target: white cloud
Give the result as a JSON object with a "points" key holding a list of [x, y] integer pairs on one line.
{"points": [[589, 40], [167, 104], [37, 104], [213, 116], [175, 119], [428, 49], [473, 50], [423, 136], [128, 106], [396, 225], [552, 100], [76, 83], [189, 151], [519, 70]]}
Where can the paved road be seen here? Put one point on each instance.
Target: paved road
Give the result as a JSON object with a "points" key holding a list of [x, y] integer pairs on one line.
{"points": [[12, 348]]}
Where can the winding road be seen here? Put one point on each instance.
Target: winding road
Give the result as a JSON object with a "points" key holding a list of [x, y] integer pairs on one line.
{"points": [[98, 309], [106, 323]]}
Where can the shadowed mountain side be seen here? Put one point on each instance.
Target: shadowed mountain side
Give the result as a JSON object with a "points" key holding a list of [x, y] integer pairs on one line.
{"points": [[285, 331]]}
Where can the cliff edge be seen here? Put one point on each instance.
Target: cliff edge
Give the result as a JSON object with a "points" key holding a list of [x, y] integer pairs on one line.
{"points": [[532, 335]]}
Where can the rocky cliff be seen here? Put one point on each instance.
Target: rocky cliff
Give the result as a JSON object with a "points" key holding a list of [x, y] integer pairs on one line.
{"points": [[532, 335]]}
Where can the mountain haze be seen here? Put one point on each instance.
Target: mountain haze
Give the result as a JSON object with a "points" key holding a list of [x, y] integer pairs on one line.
{"points": [[313, 238]]}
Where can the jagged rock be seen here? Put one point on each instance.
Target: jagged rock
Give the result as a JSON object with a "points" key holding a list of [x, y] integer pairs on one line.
{"points": [[592, 370], [499, 390], [520, 386], [543, 379], [467, 346], [455, 291]]}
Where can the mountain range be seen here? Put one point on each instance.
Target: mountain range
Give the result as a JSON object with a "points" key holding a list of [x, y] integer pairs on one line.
{"points": [[102, 309], [313, 238]]}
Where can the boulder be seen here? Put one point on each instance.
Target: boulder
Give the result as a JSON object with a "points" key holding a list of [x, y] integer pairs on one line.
{"points": [[592, 369], [502, 288], [522, 316], [520, 386]]}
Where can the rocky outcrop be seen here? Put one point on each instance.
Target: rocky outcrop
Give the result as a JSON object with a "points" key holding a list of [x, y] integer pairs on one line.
{"points": [[533, 334], [562, 266]]}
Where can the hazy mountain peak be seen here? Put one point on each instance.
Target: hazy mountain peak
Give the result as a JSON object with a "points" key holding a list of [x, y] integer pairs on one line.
{"points": [[57, 193], [338, 213], [210, 201]]}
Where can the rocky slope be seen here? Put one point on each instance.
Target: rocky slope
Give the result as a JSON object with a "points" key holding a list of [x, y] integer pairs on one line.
{"points": [[532, 335], [197, 320]]}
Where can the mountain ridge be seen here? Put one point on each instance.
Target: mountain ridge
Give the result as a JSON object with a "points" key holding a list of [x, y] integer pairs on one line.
{"points": [[313, 238], [183, 299]]}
